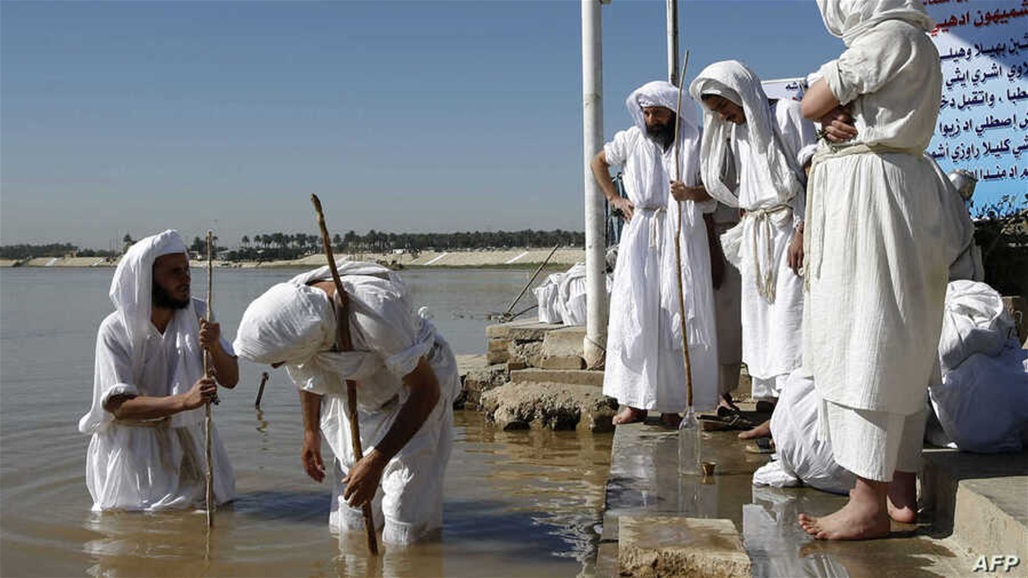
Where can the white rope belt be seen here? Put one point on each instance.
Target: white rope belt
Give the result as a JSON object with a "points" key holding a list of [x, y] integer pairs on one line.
{"points": [[764, 225]]}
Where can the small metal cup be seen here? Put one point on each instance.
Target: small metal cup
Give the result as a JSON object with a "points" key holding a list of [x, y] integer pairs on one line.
{"points": [[708, 469]]}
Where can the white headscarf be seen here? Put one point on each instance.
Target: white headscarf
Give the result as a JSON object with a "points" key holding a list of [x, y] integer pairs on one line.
{"points": [[295, 324], [731, 79], [661, 93], [849, 19]]}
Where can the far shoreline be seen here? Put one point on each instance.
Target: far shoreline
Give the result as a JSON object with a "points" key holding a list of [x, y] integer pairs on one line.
{"points": [[464, 259]]}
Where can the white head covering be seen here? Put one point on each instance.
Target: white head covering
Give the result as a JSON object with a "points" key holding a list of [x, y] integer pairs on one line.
{"points": [[661, 93], [295, 324], [131, 288], [848, 19], [729, 79]]}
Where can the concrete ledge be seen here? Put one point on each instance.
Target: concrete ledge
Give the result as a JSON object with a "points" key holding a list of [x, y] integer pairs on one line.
{"points": [[980, 500], [675, 546], [520, 330], [567, 376]]}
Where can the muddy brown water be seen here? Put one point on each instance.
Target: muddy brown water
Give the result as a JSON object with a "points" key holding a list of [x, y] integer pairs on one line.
{"points": [[516, 504]]}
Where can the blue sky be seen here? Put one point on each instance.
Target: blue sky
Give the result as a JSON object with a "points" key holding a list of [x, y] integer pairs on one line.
{"points": [[133, 117]]}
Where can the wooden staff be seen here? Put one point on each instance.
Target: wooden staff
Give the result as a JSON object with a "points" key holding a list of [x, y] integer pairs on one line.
{"points": [[678, 241], [351, 386], [260, 390], [207, 373]]}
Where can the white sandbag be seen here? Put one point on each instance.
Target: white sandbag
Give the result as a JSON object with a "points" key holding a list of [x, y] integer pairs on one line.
{"points": [[800, 452], [982, 405], [975, 321]]}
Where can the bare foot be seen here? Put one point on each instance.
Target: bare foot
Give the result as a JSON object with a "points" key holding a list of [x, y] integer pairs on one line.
{"points": [[902, 502], [629, 415], [864, 517], [761, 431]]}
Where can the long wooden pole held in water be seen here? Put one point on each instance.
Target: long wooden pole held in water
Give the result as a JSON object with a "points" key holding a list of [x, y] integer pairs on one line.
{"points": [[207, 373], [351, 386], [678, 241]]}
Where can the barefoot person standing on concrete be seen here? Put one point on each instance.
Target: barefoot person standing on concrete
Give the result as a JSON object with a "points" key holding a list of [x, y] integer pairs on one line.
{"points": [[406, 378], [876, 259], [751, 161], [147, 421], [644, 369]]}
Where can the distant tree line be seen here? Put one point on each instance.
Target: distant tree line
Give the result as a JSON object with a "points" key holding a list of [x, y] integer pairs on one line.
{"points": [[275, 246], [25, 251]]}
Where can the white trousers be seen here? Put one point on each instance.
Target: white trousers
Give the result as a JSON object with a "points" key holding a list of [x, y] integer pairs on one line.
{"points": [[873, 444]]}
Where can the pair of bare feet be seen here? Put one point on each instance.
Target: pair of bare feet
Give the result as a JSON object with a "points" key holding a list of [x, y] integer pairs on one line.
{"points": [[870, 511], [632, 415]]}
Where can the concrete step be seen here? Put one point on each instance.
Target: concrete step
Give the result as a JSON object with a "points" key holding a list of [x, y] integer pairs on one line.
{"points": [[562, 349], [568, 376], [678, 546], [981, 500], [523, 330]]}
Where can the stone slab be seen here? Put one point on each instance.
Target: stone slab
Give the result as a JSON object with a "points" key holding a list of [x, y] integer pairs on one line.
{"points": [[524, 330], [568, 376], [671, 546], [561, 362], [566, 341], [981, 500]]}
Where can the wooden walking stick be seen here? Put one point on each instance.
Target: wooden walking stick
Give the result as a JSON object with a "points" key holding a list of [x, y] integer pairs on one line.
{"points": [[260, 390], [207, 373], [351, 386], [678, 240]]}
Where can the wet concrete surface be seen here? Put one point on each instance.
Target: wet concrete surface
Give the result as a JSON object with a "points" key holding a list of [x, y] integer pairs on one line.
{"points": [[644, 480]]}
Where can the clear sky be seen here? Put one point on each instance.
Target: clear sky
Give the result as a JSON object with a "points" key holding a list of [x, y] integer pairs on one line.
{"points": [[423, 116]]}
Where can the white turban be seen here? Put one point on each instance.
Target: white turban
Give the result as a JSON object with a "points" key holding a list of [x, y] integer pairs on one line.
{"points": [[665, 94], [849, 19], [131, 288], [776, 168]]}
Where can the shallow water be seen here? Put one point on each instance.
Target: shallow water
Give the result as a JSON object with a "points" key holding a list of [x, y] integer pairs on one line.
{"points": [[517, 504]]}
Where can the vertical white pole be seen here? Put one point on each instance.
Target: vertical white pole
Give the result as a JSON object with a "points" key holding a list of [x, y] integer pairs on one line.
{"points": [[672, 41], [595, 341]]}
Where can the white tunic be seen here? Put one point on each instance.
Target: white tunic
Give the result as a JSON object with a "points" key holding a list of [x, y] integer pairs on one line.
{"points": [[150, 465], [772, 338], [878, 248], [644, 365]]}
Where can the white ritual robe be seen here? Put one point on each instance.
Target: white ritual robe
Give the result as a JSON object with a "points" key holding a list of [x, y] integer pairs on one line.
{"points": [[156, 464], [644, 365], [772, 331], [389, 339], [878, 251]]}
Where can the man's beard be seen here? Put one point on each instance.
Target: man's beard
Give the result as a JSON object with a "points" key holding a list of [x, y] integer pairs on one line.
{"points": [[662, 133], [163, 300]]}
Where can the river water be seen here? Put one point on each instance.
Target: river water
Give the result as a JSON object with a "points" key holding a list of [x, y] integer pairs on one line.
{"points": [[516, 504]]}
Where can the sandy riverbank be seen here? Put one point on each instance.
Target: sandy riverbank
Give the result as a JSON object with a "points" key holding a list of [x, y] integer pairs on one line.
{"points": [[475, 258]]}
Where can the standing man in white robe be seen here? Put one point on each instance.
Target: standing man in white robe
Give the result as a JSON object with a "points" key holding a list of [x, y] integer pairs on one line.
{"points": [[406, 379], [750, 160], [644, 366], [147, 451], [876, 259]]}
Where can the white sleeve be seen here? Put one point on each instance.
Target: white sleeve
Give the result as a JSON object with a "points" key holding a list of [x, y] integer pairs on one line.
{"points": [[616, 150], [389, 327], [113, 375], [869, 63]]}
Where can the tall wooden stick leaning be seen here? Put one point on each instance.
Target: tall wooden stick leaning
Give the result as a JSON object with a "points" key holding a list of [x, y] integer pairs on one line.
{"points": [[346, 344], [678, 241], [207, 374]]}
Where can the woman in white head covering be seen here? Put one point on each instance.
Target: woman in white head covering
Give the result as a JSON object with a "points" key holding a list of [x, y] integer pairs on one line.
{"points": [[877, 258], [147, 418], [750, 155], [644, 364]]}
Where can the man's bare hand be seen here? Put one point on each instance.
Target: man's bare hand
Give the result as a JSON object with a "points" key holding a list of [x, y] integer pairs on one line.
{"points": [[681, 192], [311, 456], [363, 479], [796, 250], [210, 334], [837, 125], [203, 390], [624, 205]]}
